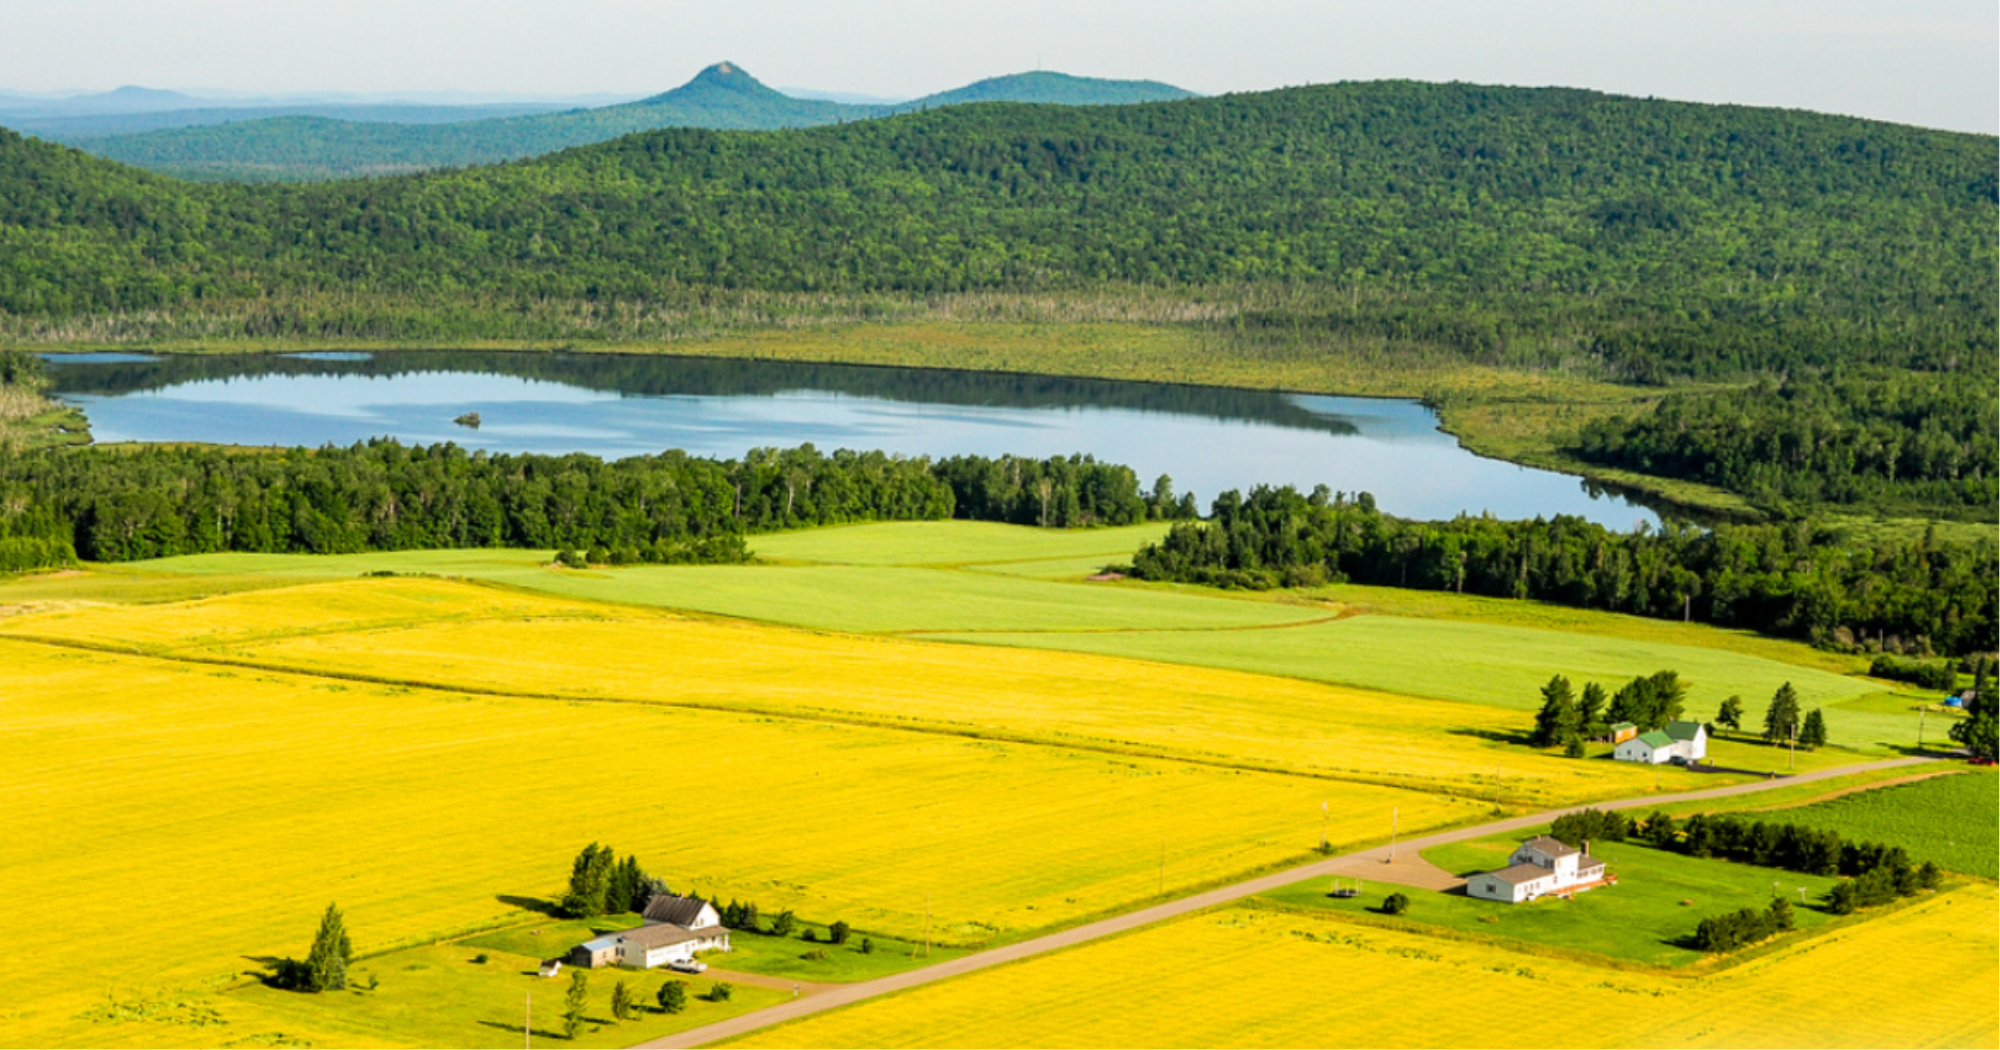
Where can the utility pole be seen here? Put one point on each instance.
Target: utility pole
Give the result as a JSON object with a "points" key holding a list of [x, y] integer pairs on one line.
{"points": [[1793, 758], [1921, 712], [1322, 825], [1163, 864], [1393, 813], [927, 925], [528, 1022]]}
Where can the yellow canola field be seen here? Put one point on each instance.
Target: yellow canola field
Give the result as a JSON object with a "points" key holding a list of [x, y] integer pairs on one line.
{"points": [[168, 824], [458, 635], [1922, 977]]}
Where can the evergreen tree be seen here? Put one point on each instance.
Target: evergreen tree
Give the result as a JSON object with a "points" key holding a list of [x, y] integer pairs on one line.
{"points": [[1590, 709], [623, 1005], [574, 1002], [673, 997], [1979, 731], [626, 890], [1557, 720], [1813, 732], [1781, 719], [1650, 702], [326, 964], [1730, 714]]}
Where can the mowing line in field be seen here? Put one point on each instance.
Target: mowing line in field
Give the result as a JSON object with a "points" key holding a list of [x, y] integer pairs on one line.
{"points": [[808, 716]]}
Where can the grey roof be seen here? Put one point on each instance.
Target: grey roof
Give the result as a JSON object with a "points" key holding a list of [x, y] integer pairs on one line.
{"points": [[1551, 848], [681, 911], [662, 934], [1521, 873], [601, 944], [1683, 730]]}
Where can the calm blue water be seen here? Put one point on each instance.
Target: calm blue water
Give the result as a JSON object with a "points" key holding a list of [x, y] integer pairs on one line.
{"points": [[1207, 439]]}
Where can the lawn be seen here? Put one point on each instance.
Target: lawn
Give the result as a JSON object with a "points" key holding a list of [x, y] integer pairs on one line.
{"points": [[243, 800], [440, 995], [1649, 917], [787, 957], [1949, 819], [466, 636], [1255, 976]]}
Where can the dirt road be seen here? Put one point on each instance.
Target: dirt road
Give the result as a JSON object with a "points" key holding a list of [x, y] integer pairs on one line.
{"points": [[836, 996]]}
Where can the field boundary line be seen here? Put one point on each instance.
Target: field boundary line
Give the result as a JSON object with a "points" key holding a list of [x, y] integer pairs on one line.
{"points": [[807, 716], [849, 995]]}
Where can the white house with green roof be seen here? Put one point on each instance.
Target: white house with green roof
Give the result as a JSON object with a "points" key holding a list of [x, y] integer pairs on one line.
{"points": [[1680, 742]]}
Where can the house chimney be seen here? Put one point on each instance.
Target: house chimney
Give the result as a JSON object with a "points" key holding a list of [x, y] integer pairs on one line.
{"points": [[1586, 847]]}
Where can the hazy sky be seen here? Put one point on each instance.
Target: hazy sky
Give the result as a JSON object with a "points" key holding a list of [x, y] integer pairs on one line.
{"points": [[1929, 62]]}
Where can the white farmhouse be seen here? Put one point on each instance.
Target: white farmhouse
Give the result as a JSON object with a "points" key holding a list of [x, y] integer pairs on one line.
{"points": [[675, 929], [1542, 866], [1680, 742]]}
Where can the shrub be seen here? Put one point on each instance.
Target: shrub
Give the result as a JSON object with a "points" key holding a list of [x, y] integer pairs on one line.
{"points": [[816, 955], [1396, 904], [1591, 825], [837, 933], [783, 923], [479, 960], [720, 992], [867, 946], [807, 935], [672, 997], [1930, 674]]}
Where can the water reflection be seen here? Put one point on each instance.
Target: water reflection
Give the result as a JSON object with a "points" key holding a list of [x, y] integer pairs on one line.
{"points": [[1207, 438]]}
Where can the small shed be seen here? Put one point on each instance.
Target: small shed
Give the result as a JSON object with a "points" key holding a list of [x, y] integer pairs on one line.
{"points": [[1623, 731], [592, 954], [1655, 748], [550, 967]]}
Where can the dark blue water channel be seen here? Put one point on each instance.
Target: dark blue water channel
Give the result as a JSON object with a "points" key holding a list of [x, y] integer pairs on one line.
{"points": [[1207, 438]]}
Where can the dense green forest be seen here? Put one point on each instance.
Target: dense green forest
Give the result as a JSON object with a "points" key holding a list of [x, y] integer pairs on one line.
{"points": [[722, 97], [1785, 579], [1629, 240], [1913, 442], [107, 505]]}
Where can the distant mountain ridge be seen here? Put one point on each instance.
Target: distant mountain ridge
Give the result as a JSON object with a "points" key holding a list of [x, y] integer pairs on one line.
{"points": [[724, 97]]}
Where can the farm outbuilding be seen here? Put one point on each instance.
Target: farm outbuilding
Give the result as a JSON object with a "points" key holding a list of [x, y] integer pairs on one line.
{"points": [[1685, 741]]}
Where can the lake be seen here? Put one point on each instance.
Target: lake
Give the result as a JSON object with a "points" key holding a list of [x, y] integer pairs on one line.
{"points": [[1207, 439]]}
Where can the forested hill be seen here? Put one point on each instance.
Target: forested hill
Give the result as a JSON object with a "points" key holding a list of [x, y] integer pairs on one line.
{"points": [[722, 97], [1674, 236]]}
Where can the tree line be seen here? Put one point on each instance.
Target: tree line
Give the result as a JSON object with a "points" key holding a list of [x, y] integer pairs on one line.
{"points": [[106, 505], [1788, 579]]}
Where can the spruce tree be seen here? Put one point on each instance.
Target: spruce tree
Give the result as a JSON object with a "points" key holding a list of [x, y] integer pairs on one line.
{"points": [[623, 1004], [1557, 720], [1813, 732], [1781, 719], [326, 964], [1590, 711]]}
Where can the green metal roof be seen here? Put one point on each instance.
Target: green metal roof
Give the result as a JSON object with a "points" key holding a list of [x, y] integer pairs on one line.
{"points": [[1656, 739], [1683, 730]]}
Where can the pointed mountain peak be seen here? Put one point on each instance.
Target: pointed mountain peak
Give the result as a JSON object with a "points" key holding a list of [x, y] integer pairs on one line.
{"points": [[720, 77]]}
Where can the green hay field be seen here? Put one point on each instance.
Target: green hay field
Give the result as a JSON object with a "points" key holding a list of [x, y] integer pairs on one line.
{"points": [[1951, 820]]}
